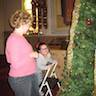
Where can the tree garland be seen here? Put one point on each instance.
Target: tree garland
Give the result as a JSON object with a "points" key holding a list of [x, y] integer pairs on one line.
{"points": [[72, 33]]}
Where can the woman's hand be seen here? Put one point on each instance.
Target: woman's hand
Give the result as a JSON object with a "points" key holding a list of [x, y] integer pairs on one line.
{"points": [[34, 54]]}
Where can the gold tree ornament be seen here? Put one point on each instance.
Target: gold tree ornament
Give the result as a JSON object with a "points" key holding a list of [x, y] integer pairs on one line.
{"points": [[88, 21]]}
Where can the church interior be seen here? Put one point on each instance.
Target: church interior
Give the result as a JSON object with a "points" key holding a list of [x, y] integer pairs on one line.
{"points": [[52, 23]]}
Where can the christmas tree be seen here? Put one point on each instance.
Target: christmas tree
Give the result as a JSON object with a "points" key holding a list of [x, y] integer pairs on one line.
{"points": [[79, 69]]}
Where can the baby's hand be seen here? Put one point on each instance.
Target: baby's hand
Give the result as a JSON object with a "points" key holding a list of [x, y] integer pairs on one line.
{"points": [[54, 61], [49, 66]]}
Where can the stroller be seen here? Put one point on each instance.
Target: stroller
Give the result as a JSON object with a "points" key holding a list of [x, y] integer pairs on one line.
{"points": [[49, 81]]}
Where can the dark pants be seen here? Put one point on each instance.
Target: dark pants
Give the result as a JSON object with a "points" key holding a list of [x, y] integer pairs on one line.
{"points": [[25, 86]]}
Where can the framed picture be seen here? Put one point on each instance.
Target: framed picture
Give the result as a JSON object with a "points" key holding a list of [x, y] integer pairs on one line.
{"points": [[60, 13], [56, 20]]}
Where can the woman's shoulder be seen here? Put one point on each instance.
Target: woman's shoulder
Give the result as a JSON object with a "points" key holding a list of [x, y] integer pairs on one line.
{"points": [[13, 40], [10, 38]]}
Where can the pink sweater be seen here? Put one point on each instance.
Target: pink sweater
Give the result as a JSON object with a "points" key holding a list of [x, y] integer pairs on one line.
{"points": [[18, 55]]}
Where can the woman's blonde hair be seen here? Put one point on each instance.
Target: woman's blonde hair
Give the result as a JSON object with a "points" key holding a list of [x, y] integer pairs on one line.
{"points": [[20, 18]]}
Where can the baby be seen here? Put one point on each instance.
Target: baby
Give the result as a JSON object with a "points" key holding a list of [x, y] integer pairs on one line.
{"points": [[44, 60]]}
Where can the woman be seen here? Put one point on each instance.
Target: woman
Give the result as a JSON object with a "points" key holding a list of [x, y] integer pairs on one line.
{"points": [[20, 55]]}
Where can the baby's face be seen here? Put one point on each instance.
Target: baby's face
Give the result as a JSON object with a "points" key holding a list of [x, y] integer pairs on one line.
{"points": [[44, 50]]}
